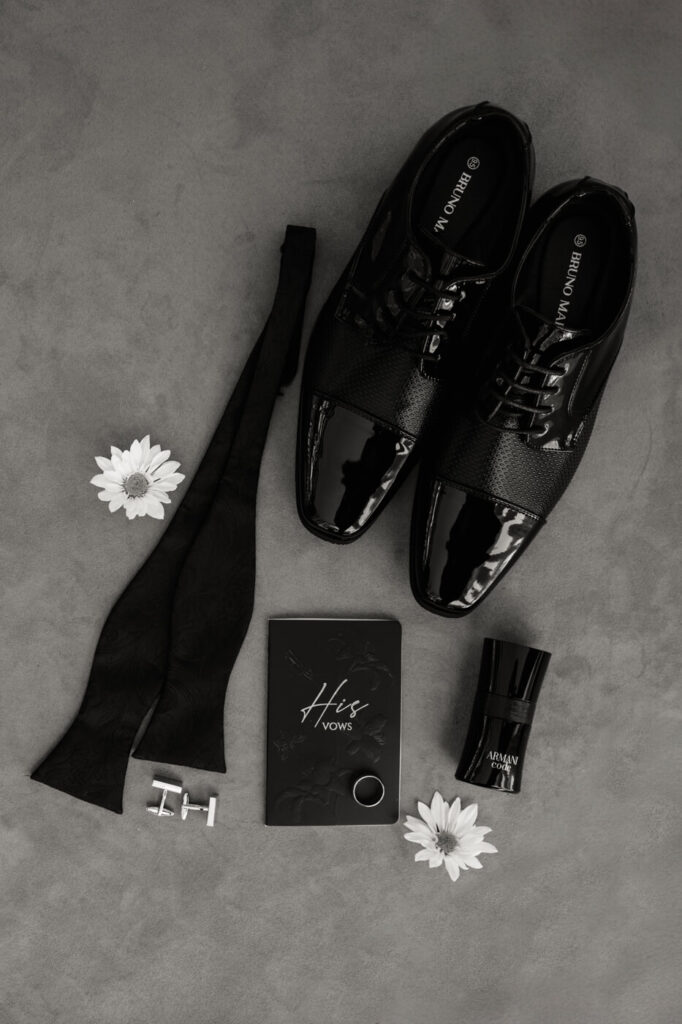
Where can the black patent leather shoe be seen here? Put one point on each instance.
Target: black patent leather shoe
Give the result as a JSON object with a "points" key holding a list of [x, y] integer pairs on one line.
{"points": [[506, 462], [398, 323]]}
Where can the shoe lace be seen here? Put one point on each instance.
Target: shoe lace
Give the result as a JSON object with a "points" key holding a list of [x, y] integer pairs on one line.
{"points": [[514, 395], [419, 329]]}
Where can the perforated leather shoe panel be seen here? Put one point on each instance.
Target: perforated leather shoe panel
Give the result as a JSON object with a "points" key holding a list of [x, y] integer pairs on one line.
{"points": [[382, 382], [503, 466]]}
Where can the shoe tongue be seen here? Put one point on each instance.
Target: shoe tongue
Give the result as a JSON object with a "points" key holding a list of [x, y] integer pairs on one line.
{"points": [[445, 263], [449, 264], [543, 335], [545, 342], [445, 272]]}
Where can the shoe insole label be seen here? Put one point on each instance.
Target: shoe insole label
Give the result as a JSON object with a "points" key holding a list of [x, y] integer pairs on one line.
{"points": [[571, 276], [462, 189], [571, 271]]}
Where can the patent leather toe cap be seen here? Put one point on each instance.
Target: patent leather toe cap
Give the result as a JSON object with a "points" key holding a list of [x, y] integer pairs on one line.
{"points": [[462, 545], [348, 467]]}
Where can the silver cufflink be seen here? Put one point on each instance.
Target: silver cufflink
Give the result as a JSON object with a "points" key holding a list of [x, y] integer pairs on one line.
{"points": [[209, 809], [160, 809]]}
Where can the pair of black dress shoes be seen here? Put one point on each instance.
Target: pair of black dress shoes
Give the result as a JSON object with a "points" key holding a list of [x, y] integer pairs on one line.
{"points": [[475, 335]]}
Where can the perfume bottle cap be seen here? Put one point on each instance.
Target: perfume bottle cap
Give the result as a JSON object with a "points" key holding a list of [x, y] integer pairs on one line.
{"points": [[508, 686]]}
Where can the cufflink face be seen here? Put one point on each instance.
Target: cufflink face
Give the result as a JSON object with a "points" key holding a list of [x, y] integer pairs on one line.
{"points": [[209, 809], [160, 809]]}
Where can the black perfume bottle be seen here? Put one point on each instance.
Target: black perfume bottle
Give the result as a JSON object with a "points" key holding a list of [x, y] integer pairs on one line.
{"points": [[508, 686]]}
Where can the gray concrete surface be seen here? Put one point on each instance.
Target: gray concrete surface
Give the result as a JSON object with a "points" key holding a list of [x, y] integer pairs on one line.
{"points": [[152, 153]]}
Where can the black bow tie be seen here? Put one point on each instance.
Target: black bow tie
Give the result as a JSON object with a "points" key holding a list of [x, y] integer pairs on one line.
{"points": [[175, 632]]}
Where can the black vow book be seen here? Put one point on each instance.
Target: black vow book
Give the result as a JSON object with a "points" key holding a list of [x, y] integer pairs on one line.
{"points": [[333, 716]]}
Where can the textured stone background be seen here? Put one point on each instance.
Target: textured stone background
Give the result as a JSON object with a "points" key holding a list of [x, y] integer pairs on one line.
{"points": [[152, 152]]}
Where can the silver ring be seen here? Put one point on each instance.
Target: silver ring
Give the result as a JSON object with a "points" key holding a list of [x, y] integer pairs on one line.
{"points": [[364, 778]]}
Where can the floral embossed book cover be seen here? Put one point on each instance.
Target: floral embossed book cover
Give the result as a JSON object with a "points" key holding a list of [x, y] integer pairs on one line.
{"points": [[333, 754]]}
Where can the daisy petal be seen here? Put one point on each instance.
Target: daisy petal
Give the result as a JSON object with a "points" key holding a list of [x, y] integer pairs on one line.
{"points": [[416, 824], [169, 483], [154, 507], [158, 460], [452, 868], [104, 480], [426, 815], [105, 495], [453, 814], [487, 848], [117, 501], [468, 844], [473, 862], [136, 453], [466, 819], [160, 495], [436, 860], [423, 855], [103, 463], [165, 469], [439, 810], [417, 837]]}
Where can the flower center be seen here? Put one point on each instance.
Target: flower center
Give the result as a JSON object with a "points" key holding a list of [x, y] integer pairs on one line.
{"points": [[446, 842], [136, 485]]}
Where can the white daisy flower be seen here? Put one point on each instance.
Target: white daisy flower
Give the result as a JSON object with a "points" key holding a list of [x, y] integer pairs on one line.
{"points": [[448, 835], [138, 480]]}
